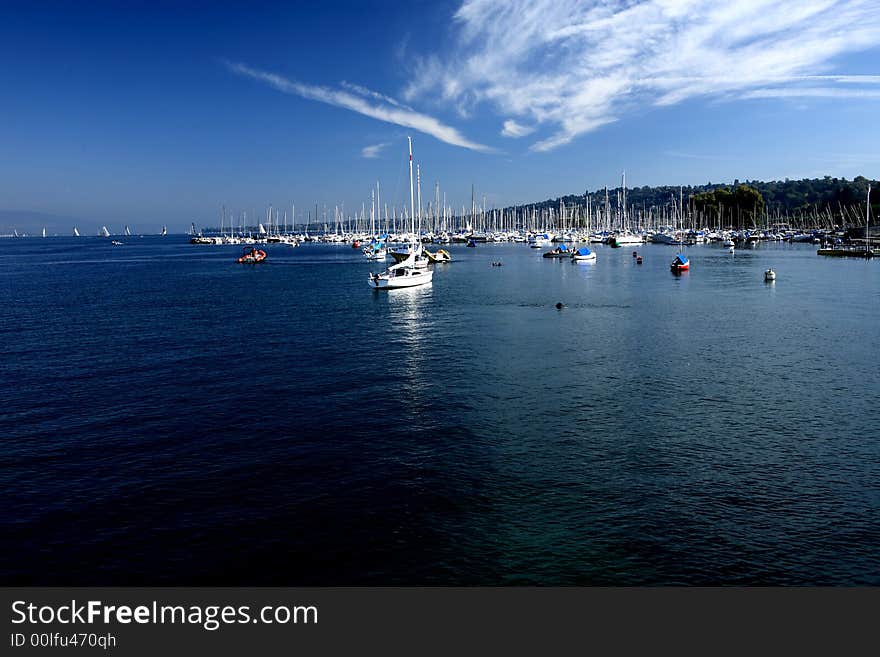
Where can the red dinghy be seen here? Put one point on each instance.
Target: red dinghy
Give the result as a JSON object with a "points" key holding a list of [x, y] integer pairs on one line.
{"points": [[252, 256]]}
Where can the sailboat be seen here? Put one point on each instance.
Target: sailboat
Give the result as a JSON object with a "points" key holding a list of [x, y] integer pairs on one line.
{"points": [[624, 237], [126, 232], [405, 273], [680, 263], [843, 251], [105, 232], [44, 231], [164, 231], [376, 249], [75, 232]]}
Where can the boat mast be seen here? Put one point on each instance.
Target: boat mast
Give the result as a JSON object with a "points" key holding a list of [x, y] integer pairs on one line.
{"points": [[412, 200], [867, 219]]}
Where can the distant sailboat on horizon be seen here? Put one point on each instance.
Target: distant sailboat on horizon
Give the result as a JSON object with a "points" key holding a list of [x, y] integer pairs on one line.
{"points": [[127, 232], [75, 232], [105, 232], [164, 230], [44, 231]]}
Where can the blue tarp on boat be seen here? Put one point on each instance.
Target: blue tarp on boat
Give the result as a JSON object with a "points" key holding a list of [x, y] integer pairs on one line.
{"points": [[562, 248], [583, 251], [680, 259]]}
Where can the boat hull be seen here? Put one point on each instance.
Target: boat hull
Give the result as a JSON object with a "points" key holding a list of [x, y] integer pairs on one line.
{"points": [[440, 256], [846, 253], [385, 282]]}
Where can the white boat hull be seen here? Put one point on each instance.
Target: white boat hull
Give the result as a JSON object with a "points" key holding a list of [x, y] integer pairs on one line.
{"points": [[410, 278]]}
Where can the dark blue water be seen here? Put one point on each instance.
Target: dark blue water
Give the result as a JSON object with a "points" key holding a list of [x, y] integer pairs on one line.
{"points": [[170, 417]]}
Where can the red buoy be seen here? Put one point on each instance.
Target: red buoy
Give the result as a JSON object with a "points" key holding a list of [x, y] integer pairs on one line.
{"points": [[639, 260]]}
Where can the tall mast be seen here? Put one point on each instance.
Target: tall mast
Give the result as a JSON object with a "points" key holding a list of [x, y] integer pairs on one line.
{"points": [[378, 209], [419, 194], [412, 200], [681, 204]]}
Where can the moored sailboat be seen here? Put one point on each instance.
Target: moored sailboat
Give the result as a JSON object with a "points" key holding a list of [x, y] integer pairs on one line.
{"points": [[680, 263], [406, 273]]}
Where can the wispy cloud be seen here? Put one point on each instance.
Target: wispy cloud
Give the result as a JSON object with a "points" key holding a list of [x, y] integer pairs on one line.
{"points": [[372, 151], [513, 129], [371, 104], [375, 95], [571, 66], [812, 92]]}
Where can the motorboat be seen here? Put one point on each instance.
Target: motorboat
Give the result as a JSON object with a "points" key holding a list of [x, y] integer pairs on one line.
{"points": [[583, 254], [252, 256], [440, 255], [560, 251], [624, 238]]}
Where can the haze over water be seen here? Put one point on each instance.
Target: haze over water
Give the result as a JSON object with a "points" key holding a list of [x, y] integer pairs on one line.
{"points": [[170, 417]]}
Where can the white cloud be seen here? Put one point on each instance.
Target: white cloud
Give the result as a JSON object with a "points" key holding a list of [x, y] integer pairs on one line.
{"points": [[355, 101], [513, 129], [812, 92], [372, 151], [369, 93], [571, 66]]}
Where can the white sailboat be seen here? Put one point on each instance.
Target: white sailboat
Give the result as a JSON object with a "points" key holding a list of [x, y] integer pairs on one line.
{"points": [[126, 232], [406, 273], [164, 230], [624, 236], [44, 231], [376, 249], [105, 232], [75, 232]]}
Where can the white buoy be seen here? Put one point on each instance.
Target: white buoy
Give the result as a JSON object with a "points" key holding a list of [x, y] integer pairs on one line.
{"points": [[769, 275]]}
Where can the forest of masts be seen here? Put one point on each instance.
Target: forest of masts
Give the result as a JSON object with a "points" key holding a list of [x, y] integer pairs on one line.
{"points": [[606, 211]]}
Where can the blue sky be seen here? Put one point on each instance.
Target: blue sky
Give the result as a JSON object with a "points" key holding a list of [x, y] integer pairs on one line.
{"points": [[152, 113]]}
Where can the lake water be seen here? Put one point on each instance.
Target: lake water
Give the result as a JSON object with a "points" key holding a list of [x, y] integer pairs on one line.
{"points": [[171, 417]]}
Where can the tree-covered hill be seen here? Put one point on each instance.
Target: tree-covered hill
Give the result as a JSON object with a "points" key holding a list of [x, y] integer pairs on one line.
{"points": [[741, 203]]}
